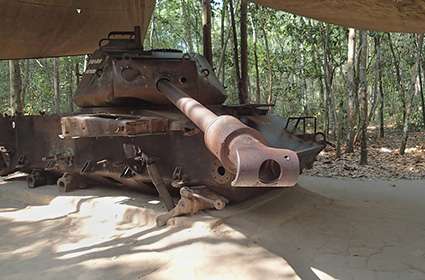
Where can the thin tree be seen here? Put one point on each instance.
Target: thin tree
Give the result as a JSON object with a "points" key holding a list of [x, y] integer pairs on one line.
{"points": [[414, 90], [206, 30], [328, 71], [77, 73], [221, 62], [422, 94], [400, 87], [380, 85], [235, 49], [302, 81], [320, 79], [223, 41], [269, 65], [15, 86], [71, 87], [257, 69], [377, 83], [243, 82], [187, 26], [56, 90], [153, 25], [363, 98], [351, 86], [26, 81]]}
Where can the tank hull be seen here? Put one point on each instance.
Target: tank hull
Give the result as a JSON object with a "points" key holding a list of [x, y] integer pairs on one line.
{"points": [[112, 156]]}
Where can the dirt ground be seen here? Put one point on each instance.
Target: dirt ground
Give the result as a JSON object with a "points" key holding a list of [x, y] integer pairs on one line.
{"points": [[384, 159], [322, 229]]}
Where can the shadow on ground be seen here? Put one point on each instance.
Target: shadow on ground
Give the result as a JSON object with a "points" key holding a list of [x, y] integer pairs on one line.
{"points": [[353, 229], [94, 237], [345, 229]]}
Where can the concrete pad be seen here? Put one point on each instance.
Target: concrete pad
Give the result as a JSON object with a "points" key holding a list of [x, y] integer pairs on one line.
{"points": [[98, 234], [322, 229], [340, 228]]}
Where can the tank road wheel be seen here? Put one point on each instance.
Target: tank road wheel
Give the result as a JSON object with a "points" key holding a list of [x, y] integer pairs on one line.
{"points": [[6, 166], [68, 182], [36, 178]]}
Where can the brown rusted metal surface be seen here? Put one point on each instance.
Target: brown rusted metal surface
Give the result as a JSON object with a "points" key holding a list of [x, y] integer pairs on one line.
{"points": [[239, 148], [182, 157], [192, 201], [202, 193], [121, 73], [70, 182], [111, 125]]}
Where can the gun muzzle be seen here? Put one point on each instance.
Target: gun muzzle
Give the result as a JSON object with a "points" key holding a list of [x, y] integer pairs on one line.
{"points": [[242, 150]]}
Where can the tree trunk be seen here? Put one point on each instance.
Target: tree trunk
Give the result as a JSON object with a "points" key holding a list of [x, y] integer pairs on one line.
{"points": [[422, 93], [331, 99], [71, 87], [56, 89], [77, 74], [363, 97], [85, 62], [351, 89], [316, 55], [15, 85], [187, 26], [415, 88], [27, 76], [324, 121], [326, 106], [224, 39], [221, 62], [257, 70], [339, 116], [243, 82], [206, 30], [302, 82], [381, 90], [270, 68], [153, 23], [376, 81], [400, 86], [235, 49]]}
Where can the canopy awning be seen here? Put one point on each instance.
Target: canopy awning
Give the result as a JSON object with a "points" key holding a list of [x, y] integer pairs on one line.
{"points": [[379, 15], [48, 28]]}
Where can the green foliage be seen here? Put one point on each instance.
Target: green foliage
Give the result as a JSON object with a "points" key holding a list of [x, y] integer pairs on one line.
{"points": [[37, 84], [4, 86], [295, 56]]}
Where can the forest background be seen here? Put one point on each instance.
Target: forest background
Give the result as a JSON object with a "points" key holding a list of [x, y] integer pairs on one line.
{"points": [[350, 80]]}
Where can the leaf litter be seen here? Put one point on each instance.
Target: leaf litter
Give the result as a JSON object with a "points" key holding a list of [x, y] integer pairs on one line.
{"points": [[384, 159]]}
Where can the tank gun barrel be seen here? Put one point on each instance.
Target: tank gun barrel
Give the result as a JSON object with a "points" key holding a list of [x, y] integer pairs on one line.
{"points": [[241, 149]]}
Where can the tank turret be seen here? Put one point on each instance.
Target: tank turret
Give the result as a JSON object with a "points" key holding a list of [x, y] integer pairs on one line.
{"points": [[121, 73]]}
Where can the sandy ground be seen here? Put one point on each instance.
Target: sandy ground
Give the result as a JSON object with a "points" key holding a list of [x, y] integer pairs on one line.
{"points": [[322, 229]]}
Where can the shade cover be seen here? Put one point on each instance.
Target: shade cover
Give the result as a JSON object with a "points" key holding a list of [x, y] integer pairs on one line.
{"points": [[48, 28], [378, 15]]}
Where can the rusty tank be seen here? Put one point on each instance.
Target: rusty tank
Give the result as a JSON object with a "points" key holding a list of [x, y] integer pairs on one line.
{"points": [[156, 120]]}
